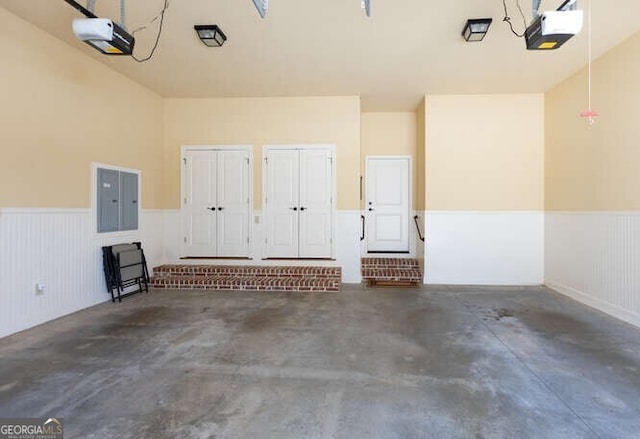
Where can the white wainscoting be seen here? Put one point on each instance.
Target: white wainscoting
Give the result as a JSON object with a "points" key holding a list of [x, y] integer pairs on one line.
{"points": [[59, 248], [484, 248], [594, 257], [347, 244]]}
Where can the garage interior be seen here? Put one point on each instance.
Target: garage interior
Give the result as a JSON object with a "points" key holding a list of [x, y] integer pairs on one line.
{"points": [[358, 220]]}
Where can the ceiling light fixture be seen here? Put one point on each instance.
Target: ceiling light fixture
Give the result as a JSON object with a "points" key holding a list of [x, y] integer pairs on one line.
{"points": [[261, 6], [476, 29], [210, 34]]}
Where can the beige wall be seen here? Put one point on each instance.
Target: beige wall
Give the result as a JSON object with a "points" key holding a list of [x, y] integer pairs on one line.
{"points": [[263, 121], [419, 204], [595, 168], [484, 152], [390, 134], [60, 111]]}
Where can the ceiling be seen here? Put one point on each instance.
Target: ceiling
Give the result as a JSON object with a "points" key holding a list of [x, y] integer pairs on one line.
{"points": [[406, 49]]}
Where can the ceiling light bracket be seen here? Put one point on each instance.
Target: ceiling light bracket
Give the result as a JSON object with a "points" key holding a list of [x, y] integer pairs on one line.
{"points": [[123, 14], [78, 7], [261, 6], [366, 5], [536, 8]]}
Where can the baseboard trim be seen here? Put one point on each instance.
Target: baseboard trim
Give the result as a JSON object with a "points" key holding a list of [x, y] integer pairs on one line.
{"points": [[600, 305]]}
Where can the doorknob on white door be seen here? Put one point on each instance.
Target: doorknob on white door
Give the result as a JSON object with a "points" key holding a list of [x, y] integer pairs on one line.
{"points": [[293, 208]]}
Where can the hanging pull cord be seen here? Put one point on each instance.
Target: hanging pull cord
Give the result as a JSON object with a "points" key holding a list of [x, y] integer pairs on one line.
{"points": [[590, 114]]}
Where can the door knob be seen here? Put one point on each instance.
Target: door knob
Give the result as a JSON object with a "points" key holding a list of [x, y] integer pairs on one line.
{"points": [[293, 208], [371, 209], [220, 208], [211, 209], [303, 208]]}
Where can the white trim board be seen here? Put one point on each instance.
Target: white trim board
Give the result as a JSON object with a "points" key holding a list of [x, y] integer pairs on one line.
{"points": [[630, 317]]}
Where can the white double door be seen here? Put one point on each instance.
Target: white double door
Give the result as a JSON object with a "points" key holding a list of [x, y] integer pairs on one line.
{"points": [[298, 202], [216, 203], [387, 204]]}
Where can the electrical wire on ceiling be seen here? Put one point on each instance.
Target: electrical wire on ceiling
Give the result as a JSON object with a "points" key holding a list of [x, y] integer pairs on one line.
{"points": [[160, 17], [507, 18]]}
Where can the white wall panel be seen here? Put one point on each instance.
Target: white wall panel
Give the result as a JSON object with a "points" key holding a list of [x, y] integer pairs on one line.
{"points": [[484, 248], [348, 245], [594, 257], [59, 248]]}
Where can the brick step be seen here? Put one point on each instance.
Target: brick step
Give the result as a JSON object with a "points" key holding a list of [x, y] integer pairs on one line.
{"points": [[248, 271], [393, 274], [389, 263], [261, 283]]}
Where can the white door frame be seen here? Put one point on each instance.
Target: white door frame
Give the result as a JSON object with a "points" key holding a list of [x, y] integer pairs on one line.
{"points": [[183, 185], [311, 146], [366, 212]]}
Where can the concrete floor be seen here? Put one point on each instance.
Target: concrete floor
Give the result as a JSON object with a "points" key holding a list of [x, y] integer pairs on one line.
{"points": [[365, 363]]}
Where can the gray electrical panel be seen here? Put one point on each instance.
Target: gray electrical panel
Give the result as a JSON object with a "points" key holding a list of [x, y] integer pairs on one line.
{"points": [[108, 200], [128, 201], [117, 200]]}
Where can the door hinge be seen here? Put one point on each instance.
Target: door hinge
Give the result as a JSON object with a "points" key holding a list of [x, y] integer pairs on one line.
{"points": [[266, 160], [185, 200], [247, 159], [247, 240], [185, 239], [185, 160]]}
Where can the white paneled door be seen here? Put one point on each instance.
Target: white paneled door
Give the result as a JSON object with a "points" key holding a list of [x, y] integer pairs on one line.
{"points": [[216, 203], [387, 204], [299, 186], [316, 200], [281, 203]]}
